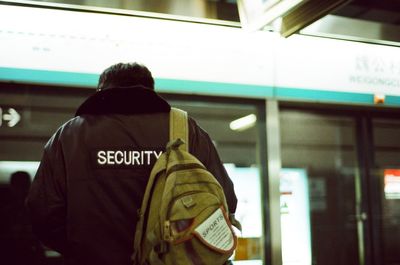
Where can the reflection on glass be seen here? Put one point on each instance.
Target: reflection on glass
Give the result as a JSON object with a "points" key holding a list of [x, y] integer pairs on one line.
{"points": [[237, 150], [247, 183], [392, 184], [295, 217], [386, 172], [324, 147]]}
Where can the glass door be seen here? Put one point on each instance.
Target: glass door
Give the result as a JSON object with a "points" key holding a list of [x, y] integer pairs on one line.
{"points": [[42, 109], [385, 190], [320, 194], [235, 133]]}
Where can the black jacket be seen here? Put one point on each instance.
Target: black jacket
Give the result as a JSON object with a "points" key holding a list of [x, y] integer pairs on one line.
{"points": [[84, 199]]}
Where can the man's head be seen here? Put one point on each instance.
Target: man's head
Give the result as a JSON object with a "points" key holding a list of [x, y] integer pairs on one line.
{"points": [[125, 75], [20, 182]]}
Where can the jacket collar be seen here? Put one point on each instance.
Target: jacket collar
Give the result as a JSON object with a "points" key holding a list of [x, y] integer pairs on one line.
{"points": [[123, 100]]}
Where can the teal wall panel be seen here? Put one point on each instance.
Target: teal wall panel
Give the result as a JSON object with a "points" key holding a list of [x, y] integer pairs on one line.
{"points": [[197, 87]]}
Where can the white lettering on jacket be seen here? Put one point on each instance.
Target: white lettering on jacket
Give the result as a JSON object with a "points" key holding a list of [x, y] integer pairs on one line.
{"points": [[120, 157]]}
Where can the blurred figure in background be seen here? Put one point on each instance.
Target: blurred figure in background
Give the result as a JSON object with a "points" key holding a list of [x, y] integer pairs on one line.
{"points": [[18, 245]]}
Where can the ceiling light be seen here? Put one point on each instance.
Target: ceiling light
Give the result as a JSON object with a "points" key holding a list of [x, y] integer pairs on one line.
{"points": [[243, 123]]}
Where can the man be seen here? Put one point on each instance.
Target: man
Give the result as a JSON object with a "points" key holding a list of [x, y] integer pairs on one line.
{"points": [[84, 199]]}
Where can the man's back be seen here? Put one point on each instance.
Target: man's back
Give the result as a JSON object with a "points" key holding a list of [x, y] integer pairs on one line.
{"points": [[104, 193], [84, 199]]}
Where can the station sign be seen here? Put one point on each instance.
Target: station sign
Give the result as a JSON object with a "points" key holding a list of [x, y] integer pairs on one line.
{"points": [[9, 117]]}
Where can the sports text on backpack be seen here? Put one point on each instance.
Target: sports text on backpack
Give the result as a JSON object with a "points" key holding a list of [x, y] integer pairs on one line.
{"points": [[184, 216]]}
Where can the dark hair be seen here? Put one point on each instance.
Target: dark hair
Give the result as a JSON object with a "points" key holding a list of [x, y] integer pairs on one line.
{"points": [[125, 75], [21, 181]]}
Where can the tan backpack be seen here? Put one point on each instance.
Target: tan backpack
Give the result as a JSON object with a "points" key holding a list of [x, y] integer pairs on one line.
{"points": [[184, 216]]}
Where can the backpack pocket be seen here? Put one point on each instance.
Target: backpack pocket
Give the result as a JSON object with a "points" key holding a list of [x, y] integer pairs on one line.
{"points": [[200, 231], [188, 210], [200, 216]]}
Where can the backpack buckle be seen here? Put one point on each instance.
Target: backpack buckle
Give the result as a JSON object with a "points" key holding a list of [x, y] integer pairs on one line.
{"points": [[167, 231], [175, 143]]}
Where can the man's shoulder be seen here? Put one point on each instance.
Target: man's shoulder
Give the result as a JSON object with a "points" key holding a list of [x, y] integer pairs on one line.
{"points": [[195, 127], [70, 126], [73, 124]]}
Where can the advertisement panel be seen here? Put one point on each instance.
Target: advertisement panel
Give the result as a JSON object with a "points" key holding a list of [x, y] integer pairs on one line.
{"points": [[392, 184]]}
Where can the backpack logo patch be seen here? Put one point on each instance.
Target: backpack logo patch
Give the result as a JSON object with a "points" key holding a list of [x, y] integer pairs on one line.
{"points": [[216, 232]]}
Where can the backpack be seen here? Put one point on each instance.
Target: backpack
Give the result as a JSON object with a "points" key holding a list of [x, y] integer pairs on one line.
{"points": [[184, 216]]}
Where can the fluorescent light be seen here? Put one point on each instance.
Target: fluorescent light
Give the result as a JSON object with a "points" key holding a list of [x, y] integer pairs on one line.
{"points": [[243, 123], [9, 167]]}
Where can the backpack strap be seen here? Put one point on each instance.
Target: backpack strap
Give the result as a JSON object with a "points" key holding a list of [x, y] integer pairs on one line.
{"points": [[178, 127], [142, 218]]}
